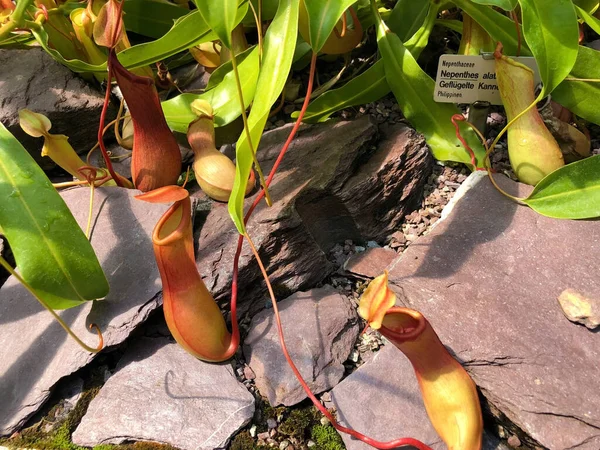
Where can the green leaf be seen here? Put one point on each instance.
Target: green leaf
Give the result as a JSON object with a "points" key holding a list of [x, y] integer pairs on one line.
{"points": [[278, 51], [571, 192], [552, 34], [506, 5], [152, 18], [369, 86], [498, 26], [52, 253], [592, 22], [413, 90], [217, 76], [407, 17], [581, 97], [223, 98], [323, 15], [220, 17], [188, 31]]}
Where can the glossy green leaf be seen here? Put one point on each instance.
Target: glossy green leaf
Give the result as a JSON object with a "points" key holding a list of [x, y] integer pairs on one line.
{"points": [[369, 86], [323, 15], [223, 98], [52, 253], [506, 5], [152, 18], [217, 76], [592, 22], [220, 17], [188, 31], [499, 27], [407, 17], [581, 97], [413, 90], [278, 51], [552, 34], [571, 192]]}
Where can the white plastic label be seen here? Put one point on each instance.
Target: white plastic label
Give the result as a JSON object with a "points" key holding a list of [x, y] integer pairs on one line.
{"points": [[468, 79]]}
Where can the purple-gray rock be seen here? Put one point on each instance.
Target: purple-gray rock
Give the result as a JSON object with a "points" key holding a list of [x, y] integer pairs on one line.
{"points": [[370, 263], [161, 393], [320, 328], [32, 79], [338, 181], [35, 352], [487, 278], [382, 400]]}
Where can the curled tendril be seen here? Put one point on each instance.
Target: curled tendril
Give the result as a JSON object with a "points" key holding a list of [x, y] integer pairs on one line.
{"points": [[62, 323], [43, 11]]}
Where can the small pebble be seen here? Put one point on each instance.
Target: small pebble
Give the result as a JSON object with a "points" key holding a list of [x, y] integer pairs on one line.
{"points": [[311, 444], [325, 421], [284, 444], [326, 397], [280, 123], [253, 431], [372, 244], [249, 373], [514, 441], [288, 109], [359, 249], [271, 423], [264, 436]]}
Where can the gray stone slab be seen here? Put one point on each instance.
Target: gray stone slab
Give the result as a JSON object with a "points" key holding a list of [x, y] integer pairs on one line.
{"points": [[320, 329], [35, 352], [382, 400], [161, 393], [32, 79], [488, 278]]}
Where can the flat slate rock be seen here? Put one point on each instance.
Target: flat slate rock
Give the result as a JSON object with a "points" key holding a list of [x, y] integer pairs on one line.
{"points": [[161, 393], [488, 278], [382, 400], [35, 352], [371, 263], [320, 330], [338, 181], [32, 79]]}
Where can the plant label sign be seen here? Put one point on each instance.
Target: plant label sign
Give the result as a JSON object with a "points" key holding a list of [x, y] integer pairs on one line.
{"points": [[472, 78]]}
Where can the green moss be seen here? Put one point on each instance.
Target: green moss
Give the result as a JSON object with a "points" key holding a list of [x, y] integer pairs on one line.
{"points": [[326, 438], [298, 422]]}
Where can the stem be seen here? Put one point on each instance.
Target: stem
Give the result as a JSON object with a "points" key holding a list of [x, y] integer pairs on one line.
{"points": [[259, 31], [107, 160], [381, 445], [247, 129], [27, 286], [514, 17], [16, 18]]}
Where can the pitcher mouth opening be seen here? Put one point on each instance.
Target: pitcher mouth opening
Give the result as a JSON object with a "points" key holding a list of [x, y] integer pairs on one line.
{"points": [[171, 226], [403, 324]]}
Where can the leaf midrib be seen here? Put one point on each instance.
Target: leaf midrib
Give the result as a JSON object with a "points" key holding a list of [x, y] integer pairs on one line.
{"points": [[40, 230]]}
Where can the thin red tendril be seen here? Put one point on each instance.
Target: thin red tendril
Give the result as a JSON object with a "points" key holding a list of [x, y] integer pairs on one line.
{"points": [[377, 444], [513, 14], [460, 118], [107, 160]]}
